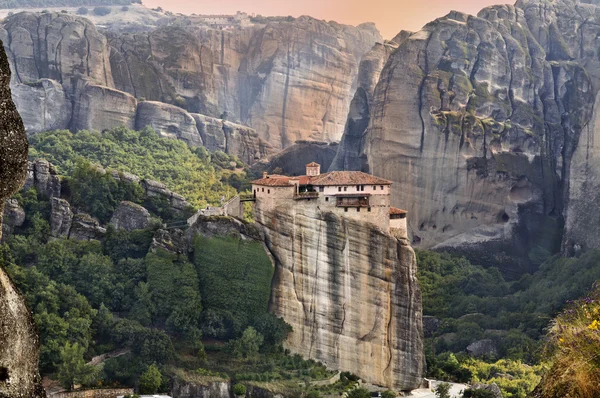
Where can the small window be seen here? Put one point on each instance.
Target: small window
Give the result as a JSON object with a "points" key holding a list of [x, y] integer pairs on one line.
{"points": [[358, 209], [346, 209], [358, 187], [382, 187], [268, 191], [339, 189], [321, 189], [345, 189], [375, 188], [369, 210], [327, 199], [362, 187], [263, 190], [255, 191]]}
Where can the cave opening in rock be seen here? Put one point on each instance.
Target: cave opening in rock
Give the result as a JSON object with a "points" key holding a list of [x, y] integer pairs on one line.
{"points": [[3, 374]]}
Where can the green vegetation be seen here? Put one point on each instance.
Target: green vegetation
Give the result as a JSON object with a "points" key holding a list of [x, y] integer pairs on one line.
{"points": [[475, 303], [574, 350], [63, 3], [235, 280], [150, 380], [202, 178], [442, 390]]}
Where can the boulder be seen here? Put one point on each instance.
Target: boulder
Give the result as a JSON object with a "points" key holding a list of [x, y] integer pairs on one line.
{"points": [[43, 105], [493, 388], [42, 176], [100, 108], [130, 216], [61, 218], [14, 216], [85, 227], [169, 121], [483, 348]]}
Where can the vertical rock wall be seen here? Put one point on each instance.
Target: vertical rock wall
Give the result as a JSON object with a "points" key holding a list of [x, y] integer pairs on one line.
{"points": [[349, 291], [19, 343]]}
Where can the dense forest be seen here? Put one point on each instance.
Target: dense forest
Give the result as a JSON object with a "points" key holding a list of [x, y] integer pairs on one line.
{"points": [[473, 303], [63, 3]]}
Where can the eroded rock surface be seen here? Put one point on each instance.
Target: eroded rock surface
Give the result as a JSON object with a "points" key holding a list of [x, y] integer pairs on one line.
{"points": [[100, 108], [130, 216], [169, 121], [19, 342], [477, 120], [349, 291], [286, 79]]}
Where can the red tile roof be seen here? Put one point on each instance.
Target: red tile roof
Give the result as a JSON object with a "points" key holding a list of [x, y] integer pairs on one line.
{"points": [[273, 182], [348, 178], [397, 211], [326, 179], [313, 164]]}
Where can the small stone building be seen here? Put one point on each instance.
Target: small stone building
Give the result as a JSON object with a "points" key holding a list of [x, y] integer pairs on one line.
{"points": [[351, 194]]}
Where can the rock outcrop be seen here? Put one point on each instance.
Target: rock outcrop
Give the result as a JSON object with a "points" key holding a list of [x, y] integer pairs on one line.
{"points": [[169, 121], [43, 105], [99, 108], [481, 122], [349, 291], [14, 216], [61, 218], [286, 79], [231, 138], [359, 116], [43, 177], [19, 342], [130, 216], [85, 227]]}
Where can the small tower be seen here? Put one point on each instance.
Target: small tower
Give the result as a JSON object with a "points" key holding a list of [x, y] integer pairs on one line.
{"points": [[313, 169]]}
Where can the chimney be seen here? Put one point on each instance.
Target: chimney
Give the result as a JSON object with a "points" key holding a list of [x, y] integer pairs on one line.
{"points": [[265, 174]]}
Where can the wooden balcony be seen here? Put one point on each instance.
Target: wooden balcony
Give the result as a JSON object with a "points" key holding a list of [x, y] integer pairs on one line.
{"points": [[306, 195], [352, 201]]}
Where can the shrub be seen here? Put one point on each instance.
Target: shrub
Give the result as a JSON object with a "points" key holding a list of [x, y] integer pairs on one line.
{"points": [[101, 11], [82, 11], [442, 390], [124, 8], [239, 390]]}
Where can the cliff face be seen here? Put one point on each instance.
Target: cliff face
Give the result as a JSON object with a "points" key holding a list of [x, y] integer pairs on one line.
{"points": [[349, 291], [478, 120], [286, 80], [19, 343]]}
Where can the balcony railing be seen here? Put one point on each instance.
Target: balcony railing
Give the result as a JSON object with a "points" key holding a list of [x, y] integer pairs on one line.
{"points": [[306, 195]]}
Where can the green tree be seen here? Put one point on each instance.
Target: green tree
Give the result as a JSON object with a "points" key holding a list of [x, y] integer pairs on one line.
{"points": [[442, 390], [359, 393], [72, 369], [150, 380], [248, 345], [239, 390], [274, 330]]}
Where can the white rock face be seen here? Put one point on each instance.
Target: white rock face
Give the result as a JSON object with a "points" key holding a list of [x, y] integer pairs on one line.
{"points": [[349, 291], [43, 105], [100, 108]]}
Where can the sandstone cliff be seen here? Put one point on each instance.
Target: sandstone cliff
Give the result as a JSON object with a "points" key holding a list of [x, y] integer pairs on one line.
{"points": [[285, 79], [19, 342], [349, 291], [478, 121]]}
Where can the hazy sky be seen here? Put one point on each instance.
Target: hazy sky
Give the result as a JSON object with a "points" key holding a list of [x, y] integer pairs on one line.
{"points": [[391, 16]]}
